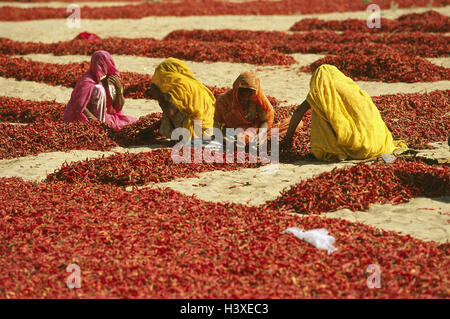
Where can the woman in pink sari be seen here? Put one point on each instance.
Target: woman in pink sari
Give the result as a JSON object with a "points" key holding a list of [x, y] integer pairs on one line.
{"points": [[98, 95]]}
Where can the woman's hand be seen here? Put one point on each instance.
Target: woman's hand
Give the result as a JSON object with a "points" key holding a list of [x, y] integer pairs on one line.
{"points": [[114, 80], [286, 144], [90, 116], [149, 131]]}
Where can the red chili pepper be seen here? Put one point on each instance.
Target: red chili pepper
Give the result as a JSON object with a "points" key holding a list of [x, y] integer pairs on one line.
{"points": [[387, 66], [206, 7], [430, 21], [137, 169], [26, 111], [346, 188], [158, 243]]}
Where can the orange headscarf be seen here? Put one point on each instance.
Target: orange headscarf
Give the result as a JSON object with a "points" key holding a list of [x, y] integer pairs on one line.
{"points": [[229, 112]]}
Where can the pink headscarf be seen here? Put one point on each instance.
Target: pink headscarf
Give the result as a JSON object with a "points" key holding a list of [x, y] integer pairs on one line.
{"points": [[102, 64]]}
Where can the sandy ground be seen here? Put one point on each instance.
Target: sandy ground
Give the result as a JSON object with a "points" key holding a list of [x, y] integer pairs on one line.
{"points": [[255, 186], [440, 150], [421, 218], [445, 62], [252, 186], [284, 83], [36, 168], [221, 74], [158, 27]]}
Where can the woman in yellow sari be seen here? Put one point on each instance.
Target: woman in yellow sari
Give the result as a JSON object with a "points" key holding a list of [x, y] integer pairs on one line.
{"points": [[182, 98], [345, 122]]}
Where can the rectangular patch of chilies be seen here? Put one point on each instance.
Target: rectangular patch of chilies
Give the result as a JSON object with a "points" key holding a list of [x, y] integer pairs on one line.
{"points": [[162, 244]]}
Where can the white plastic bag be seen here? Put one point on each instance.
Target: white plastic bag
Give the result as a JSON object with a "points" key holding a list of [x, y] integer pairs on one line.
{"points": [[388, 158], [319, 238]]}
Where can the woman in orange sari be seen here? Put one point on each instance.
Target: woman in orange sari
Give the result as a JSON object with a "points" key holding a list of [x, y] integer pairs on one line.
{"points": [[244, 106]]}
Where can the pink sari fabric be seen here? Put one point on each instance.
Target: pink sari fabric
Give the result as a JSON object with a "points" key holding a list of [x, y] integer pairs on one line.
{"points": [[102, 64]]}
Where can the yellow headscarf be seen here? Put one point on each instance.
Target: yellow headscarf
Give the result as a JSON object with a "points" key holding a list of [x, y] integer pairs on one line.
{"points": [[194, 100]]}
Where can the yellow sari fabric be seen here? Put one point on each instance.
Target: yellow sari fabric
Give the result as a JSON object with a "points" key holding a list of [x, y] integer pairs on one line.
{"points": [[345, 122], [192, 99]]}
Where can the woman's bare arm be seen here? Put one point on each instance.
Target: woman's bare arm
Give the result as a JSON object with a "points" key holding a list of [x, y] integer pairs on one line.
{"points": [[263, 116], [119, 102], [295, 120], [167, 107]]}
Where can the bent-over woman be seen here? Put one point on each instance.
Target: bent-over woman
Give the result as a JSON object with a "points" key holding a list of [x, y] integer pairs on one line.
{"points": [[345, 122], [182, 98]]}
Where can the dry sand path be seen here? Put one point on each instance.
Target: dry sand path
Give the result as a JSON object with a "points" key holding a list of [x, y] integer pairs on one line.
{"points": [[36, 167], [423, 218], [283, 82], [54, 30]]}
